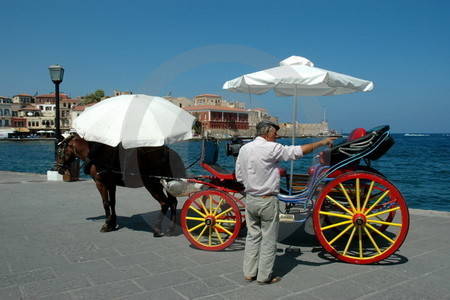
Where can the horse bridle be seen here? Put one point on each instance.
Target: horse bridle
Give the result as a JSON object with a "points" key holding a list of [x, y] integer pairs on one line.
{"points": [[61, 152]]}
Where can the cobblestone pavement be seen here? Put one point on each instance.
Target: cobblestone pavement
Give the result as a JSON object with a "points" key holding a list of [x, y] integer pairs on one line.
{"points": [[52, 248]]}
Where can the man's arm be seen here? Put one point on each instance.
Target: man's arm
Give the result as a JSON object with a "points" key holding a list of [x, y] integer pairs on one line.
{"points": [[308, 148]]}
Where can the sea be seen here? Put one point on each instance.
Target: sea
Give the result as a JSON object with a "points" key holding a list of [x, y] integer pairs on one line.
{"points": [[417, 164]]}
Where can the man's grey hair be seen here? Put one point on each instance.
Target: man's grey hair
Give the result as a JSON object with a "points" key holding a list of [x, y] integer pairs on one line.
{"points": [[263, 127]]}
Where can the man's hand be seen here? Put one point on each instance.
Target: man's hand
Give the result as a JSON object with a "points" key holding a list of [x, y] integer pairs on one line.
{"points": [[308, 148], [329, 141]]}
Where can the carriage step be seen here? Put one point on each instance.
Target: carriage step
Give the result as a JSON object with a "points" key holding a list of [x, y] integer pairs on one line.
{"points": [[287, 218]]}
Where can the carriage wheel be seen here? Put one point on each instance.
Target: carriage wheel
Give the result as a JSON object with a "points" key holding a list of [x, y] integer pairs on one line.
{"points": [[211, 220], [367, 218], [340, 197]]}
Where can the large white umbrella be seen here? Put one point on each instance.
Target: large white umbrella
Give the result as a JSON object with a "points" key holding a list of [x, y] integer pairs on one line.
{"points": [[135, 121], [297, 76]]}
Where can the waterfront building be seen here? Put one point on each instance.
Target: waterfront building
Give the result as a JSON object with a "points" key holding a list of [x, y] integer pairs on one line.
{"points": [[22, 100], [220, 121], [119, 93], [216, 117], [65, 108], [180, 101], [77, 110], [304, 129], [209, 99], [49, 98], [5, 111], [34, 120]]}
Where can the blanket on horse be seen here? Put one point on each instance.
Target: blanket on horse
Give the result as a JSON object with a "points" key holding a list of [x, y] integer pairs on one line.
{"points": [[128, 166]]}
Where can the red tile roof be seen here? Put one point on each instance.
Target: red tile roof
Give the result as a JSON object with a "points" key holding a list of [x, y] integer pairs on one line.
{"points": [[61, 96], [82, 107], [212, 107], [208, 95], [24, 95], [30, 107]]}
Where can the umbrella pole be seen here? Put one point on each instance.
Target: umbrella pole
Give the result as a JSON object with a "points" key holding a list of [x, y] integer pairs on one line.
{"points": [[250, 97], [294, 131]]}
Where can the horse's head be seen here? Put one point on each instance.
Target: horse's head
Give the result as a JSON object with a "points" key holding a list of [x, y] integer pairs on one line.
{"points": [[66, 154]]}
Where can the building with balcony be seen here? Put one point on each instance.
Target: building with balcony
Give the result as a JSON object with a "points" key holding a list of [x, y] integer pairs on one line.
{"points": [[220, 121]]}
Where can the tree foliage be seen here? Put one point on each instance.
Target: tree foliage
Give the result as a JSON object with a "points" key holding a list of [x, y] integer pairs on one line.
{"points": [[93, 97]]}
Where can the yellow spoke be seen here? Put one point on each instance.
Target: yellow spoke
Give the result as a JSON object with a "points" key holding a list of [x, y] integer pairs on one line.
{"points": [[340, 234], [349, 241], [360, 241], [210, 235], [197, 211], [224, 212], [340, 205], [201, 233], [383, 212], [335, 215], [210, 203], [376, 202], [226, 221], [224, 229], [336, 225], [195, 218], [380, 233], [204, 206], [358, 196], [217, 207], [344, 191], [385, 223], [196, 227], [368, 196], [202, 201], [218, 235], [372, 240]]}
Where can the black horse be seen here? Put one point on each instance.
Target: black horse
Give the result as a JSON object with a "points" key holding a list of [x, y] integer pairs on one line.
{"points": [[116, 166]]}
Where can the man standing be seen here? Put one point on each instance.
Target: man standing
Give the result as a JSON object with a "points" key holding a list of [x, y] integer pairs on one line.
{"points": [[257, 168]]}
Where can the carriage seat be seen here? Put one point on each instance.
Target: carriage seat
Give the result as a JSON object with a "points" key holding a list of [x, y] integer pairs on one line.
{"points": [[210, 155], [370, 145]]}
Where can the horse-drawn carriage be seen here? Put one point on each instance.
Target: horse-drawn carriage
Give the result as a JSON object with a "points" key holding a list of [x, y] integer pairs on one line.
{"points": [[358, 215]]}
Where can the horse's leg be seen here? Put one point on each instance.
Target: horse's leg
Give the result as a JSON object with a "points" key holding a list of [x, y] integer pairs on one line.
{"points": [[173, 214], [104, 194], [156, 191], [158, 223], [112, 222]]}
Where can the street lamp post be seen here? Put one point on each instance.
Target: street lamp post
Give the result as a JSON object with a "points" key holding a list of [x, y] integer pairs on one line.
{"points": [[56, 75]]}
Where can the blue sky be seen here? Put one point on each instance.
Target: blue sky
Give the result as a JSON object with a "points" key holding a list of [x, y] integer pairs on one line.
{"points": [[188, 48]]}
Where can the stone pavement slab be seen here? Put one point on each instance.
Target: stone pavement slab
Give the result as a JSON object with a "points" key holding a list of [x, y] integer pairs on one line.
{"points": [[51, 247]]}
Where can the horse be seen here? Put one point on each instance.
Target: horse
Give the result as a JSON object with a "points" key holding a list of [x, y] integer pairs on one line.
{"points": [[110, 167]]}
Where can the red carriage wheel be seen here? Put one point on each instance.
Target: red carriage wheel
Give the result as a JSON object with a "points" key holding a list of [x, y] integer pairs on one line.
{"points": [[367, 218], [211, 220], [346, 192]]}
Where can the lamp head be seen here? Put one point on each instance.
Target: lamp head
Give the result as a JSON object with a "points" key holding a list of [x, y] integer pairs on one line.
{"points": [[56, 73]]}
